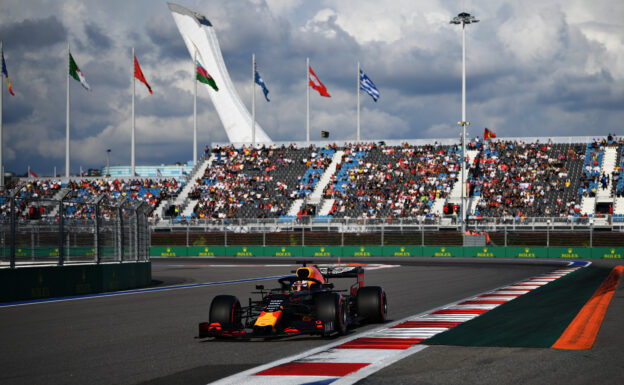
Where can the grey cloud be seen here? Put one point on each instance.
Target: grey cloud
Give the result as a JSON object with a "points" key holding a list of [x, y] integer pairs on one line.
{"points": [[164, 34], [34, 33], [97, 37]]}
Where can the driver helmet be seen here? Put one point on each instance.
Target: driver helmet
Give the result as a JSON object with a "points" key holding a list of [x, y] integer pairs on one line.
{"points": [[299, 286]]}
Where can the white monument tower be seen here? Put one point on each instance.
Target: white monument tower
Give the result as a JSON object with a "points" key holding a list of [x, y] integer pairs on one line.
{"points": [[201, 40]]}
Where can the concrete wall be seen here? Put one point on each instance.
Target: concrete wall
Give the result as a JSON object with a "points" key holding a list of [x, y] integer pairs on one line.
{"points": [[38, 282]]}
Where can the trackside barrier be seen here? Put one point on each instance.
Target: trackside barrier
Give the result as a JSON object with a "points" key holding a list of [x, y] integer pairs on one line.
{"points": [[388, 251], [38, 282], [45, 251]]}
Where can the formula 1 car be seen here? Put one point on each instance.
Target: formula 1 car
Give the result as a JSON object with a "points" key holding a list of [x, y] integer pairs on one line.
{"points": [[305, 303]]}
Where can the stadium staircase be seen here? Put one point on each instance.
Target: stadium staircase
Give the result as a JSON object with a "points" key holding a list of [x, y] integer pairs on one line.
{"points": [[618, 206], [317, 194], [58, 196], [588, 203], [588, 206], [455, 195], [618, 209], [608, 165], [295, 207], [325, 205], [456, 191], [182, 199], [473, 203], [316, 197]]}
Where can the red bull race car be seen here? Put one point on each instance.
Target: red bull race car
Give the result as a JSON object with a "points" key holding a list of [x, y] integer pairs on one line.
{"points": [[305, 303]]}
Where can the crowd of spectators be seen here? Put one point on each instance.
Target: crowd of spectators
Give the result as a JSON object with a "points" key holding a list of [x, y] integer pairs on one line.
{"points": [[517, 179], [372, 180], [319, 160], [82, 194], [31, 198], [244, 177], [394, 181], [34, 197]]}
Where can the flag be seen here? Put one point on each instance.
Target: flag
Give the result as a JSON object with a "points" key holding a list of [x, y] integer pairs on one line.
{"points": [[139, 74], [324, 134], [260, 82], [158, 172], [6, 74], [204, 77], [32, 173], [367, 85], [487, 134], [75, 73], [317, 85]]}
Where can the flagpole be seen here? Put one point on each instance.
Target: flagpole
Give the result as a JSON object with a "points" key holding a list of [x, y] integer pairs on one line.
{"points": [[1, 138], [132, 164], [195, 109], [308, 100], [253, 100], [357, 90], [67, 117]]}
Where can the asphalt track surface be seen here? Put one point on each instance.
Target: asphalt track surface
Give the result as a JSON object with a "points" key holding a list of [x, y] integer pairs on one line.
{"points": [[148, 338]]}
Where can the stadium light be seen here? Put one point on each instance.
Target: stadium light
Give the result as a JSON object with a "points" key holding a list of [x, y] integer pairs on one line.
{"points": [[463, 19]]}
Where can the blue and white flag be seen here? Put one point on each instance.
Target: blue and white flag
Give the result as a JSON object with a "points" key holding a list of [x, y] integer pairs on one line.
{"points": [[260, 82], [367, 85]]}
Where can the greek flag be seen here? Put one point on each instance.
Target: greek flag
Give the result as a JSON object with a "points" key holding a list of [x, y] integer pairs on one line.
{"points": [[367, 85], [260, 82]]}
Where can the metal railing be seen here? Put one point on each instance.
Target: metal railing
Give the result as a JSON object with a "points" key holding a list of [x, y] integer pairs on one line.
{"points": [[47, 231], [363, 224], [381, 233]]}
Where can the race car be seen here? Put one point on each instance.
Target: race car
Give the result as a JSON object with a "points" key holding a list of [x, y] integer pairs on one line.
{"points": [[305, 303]]}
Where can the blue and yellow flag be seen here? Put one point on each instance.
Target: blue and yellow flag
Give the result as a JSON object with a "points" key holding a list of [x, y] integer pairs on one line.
{"points": [[4, 71]]}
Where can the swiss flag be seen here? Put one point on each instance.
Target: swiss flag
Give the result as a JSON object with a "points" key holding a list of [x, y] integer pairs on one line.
{"points": [[317, 85]]}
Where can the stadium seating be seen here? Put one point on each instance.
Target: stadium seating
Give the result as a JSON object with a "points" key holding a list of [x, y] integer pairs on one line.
{"points": [[517, 179], [254, 183], [392, 181], [510, 178]]}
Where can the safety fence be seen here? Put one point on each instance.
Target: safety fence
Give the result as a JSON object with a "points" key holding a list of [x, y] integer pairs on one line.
{"points": [[388, 251], [105, 231], [381, 236], [570, 222], [398, 241]]}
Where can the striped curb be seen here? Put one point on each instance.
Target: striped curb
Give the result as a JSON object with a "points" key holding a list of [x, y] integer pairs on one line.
{"points": [[350, 360]]}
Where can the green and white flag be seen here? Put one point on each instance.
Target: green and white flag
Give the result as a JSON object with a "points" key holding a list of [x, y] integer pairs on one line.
{"points": [[74, 71]]}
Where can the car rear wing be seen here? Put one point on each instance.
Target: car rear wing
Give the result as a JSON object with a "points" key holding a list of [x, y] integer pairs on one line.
{"points": [[340, 271]]}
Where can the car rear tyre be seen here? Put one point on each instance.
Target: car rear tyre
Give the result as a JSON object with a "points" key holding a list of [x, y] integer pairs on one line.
{"points": [[331, 307], [226, 310], [372, 304]]}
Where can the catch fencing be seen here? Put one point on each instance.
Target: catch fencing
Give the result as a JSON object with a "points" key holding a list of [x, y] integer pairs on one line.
{"points": [[380, 233], [35, 231]]}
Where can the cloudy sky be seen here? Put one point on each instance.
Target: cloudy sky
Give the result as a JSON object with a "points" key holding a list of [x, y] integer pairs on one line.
{"points": [[535, 68]]}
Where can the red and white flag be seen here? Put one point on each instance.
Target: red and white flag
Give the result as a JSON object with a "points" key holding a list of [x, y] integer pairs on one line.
{"points": [[32, 173], [317, 85], [139, 74]]}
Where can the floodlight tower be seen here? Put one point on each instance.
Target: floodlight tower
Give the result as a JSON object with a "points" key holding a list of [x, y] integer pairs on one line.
{"points": [[463, 19]]}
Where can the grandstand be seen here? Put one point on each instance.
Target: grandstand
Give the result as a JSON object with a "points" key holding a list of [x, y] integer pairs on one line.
{"points": [[562, 180]]}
